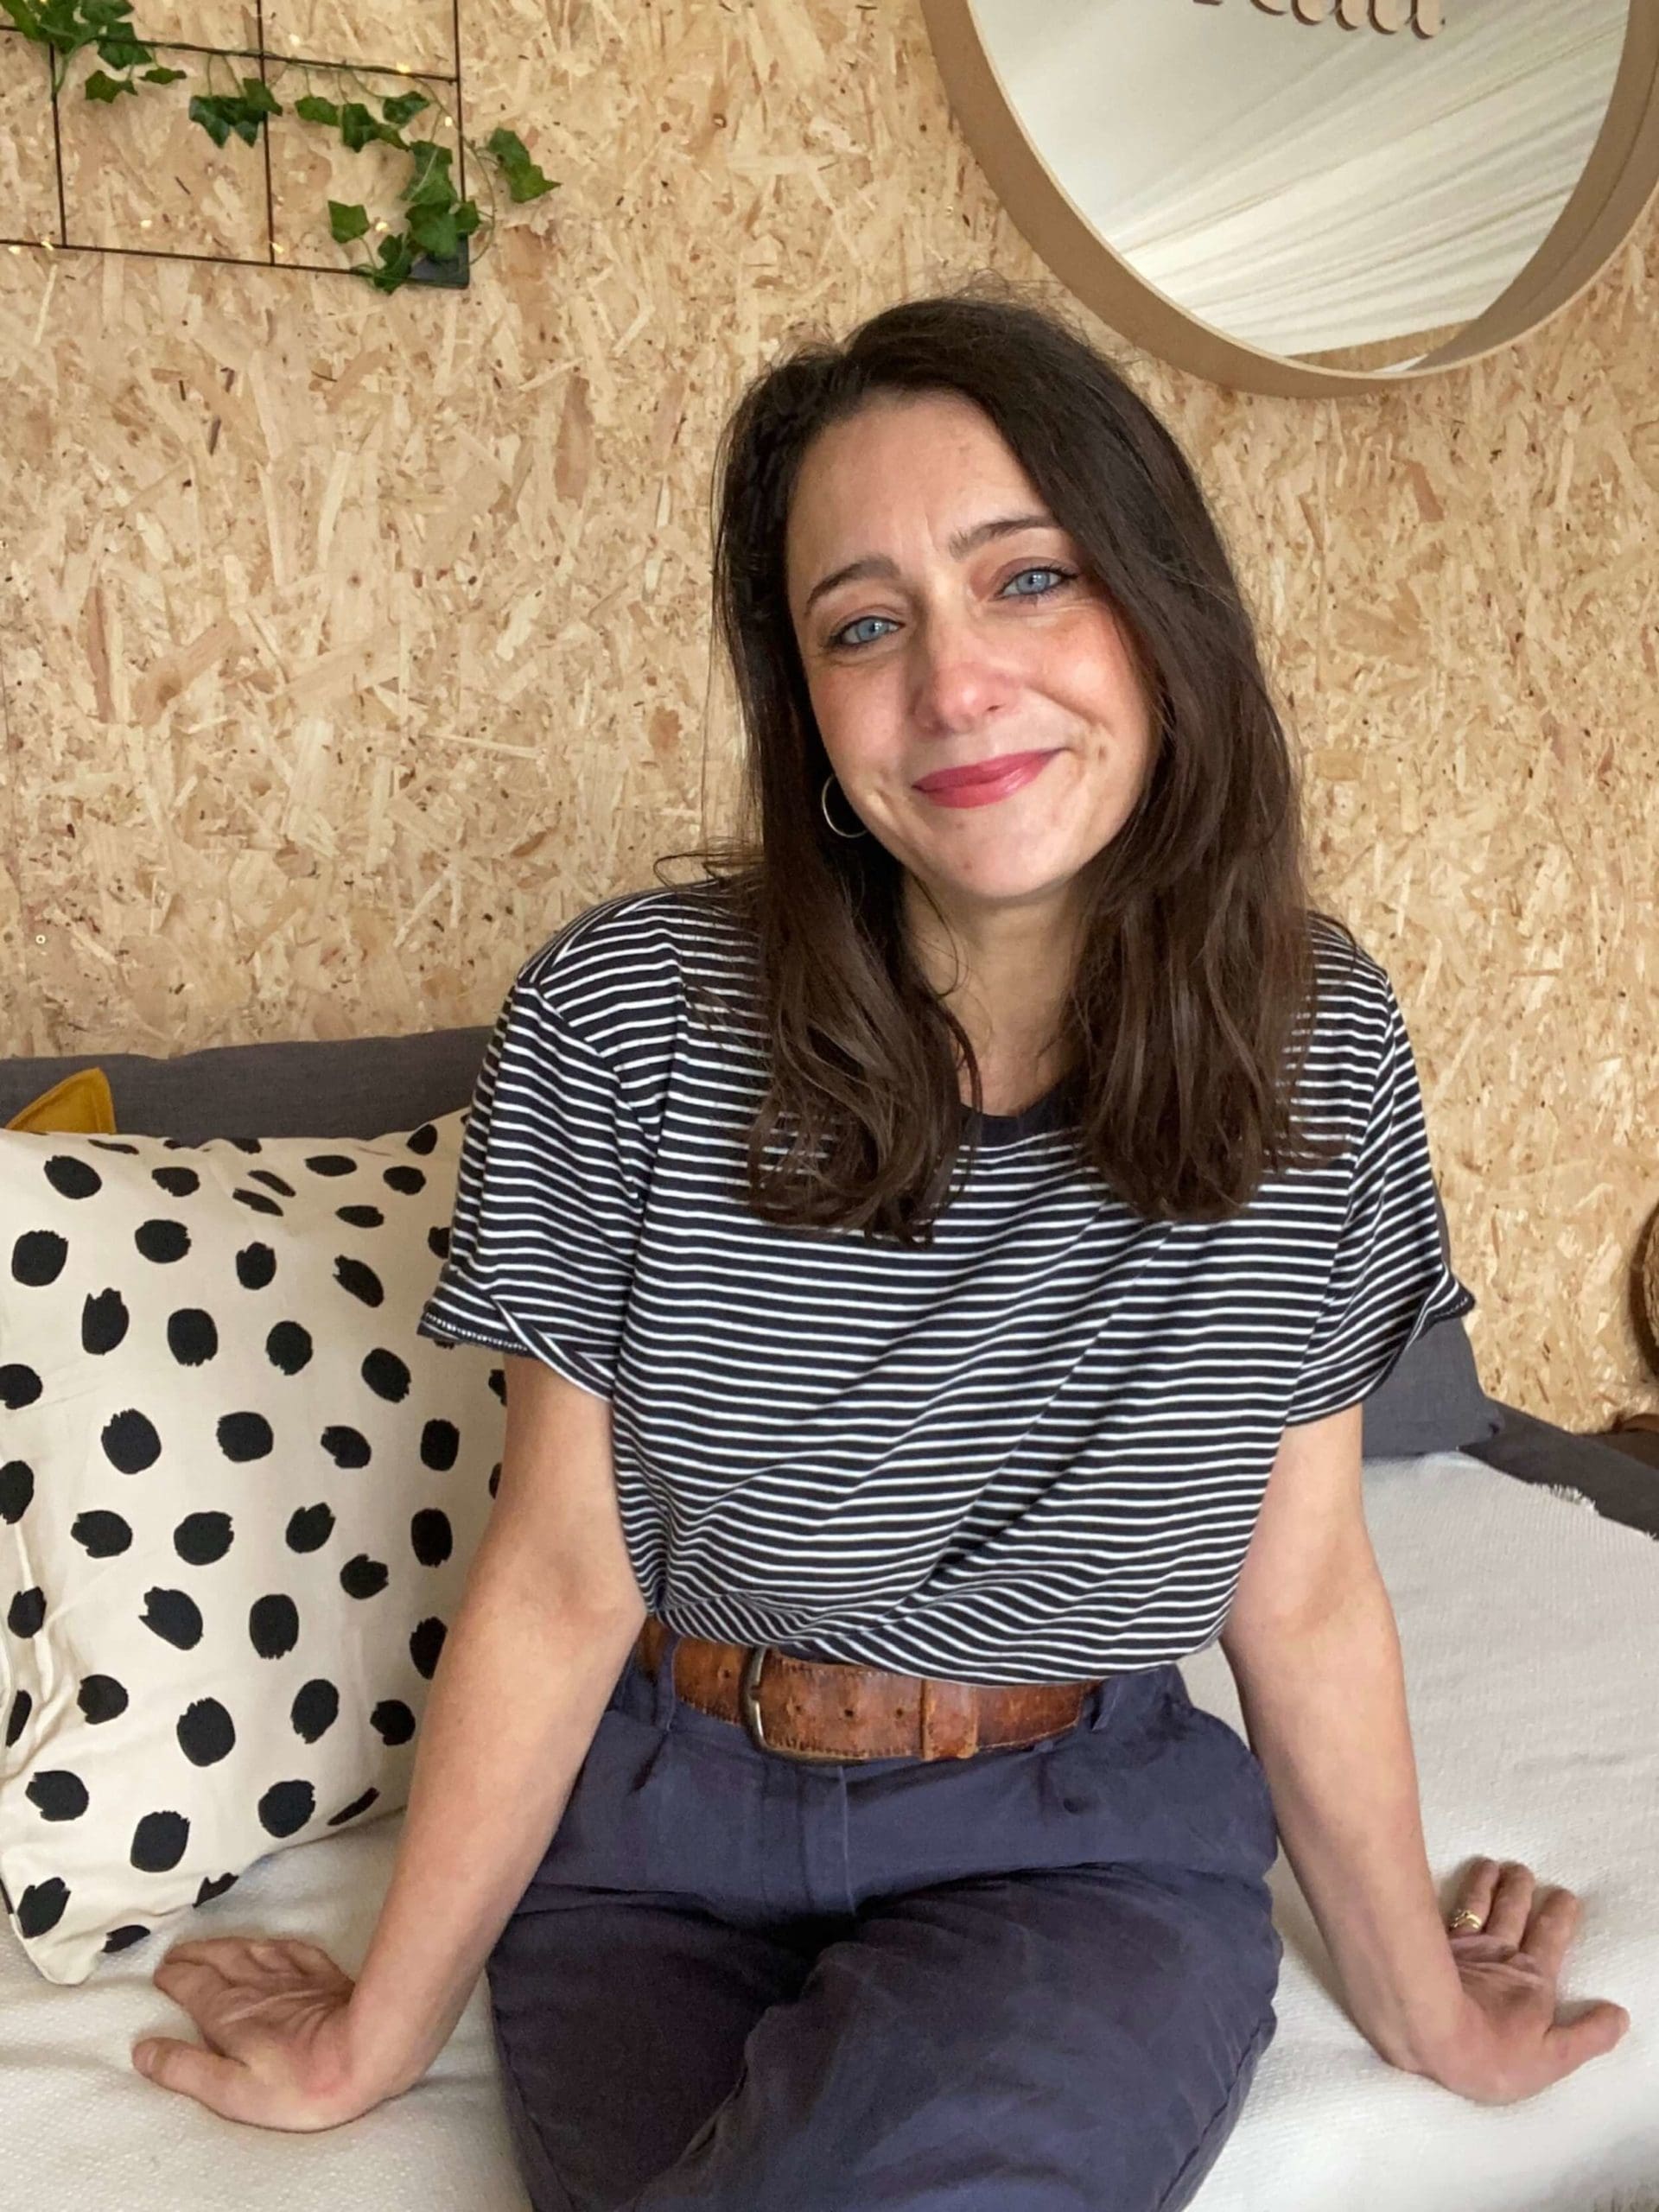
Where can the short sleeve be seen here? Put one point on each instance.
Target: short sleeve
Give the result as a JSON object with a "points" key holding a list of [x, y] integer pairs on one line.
{"points": [[1391, 1276], [549, 1191]]}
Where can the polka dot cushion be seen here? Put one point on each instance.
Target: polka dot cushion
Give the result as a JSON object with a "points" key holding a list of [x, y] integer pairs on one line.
{"points": [[238, 1496]]}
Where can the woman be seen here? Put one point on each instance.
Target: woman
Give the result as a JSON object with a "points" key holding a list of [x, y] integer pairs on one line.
{"points": [[917, 1292]]}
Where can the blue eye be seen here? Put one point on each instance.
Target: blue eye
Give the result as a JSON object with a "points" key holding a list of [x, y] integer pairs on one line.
{"points": [[843, 640]]}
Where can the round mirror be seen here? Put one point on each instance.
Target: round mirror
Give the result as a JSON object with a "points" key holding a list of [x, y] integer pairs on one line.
{"points": [[1312, 196]]}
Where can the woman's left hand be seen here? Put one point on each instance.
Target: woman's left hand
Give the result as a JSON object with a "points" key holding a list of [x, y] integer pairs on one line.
{"points": [[1508, 2046]]}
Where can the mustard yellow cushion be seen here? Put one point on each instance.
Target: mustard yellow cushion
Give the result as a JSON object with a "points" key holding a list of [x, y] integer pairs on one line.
{"points": [[79, 1106]]}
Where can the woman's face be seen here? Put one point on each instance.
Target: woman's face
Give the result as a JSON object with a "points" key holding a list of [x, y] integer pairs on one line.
{"points": [[955, 646]]}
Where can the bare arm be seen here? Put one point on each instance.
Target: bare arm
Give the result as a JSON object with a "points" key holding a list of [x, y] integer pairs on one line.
{"points": [[550, 1612], [1315, 1653]]}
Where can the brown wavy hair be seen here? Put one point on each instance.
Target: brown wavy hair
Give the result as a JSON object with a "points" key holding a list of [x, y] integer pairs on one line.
{"points": [[1181, 1026]]}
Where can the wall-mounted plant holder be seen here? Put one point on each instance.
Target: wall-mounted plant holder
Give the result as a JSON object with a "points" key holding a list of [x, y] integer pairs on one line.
{"points": [[113, 141]]}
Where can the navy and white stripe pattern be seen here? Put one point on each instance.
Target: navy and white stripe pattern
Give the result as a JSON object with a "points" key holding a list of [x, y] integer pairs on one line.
{"points": [[1034, 1452]]}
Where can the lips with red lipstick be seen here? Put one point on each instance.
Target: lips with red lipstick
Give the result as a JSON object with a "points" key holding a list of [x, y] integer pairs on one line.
{"points": [[980, 781]]}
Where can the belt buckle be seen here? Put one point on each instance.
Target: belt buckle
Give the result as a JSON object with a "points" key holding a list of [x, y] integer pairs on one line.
{"points": [[749, 1699]]}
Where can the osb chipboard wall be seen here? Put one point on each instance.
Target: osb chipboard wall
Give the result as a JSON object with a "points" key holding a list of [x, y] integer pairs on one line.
{"points": [[351, 643]]}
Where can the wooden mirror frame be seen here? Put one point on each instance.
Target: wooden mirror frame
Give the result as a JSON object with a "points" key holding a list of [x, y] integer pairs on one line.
{"points": [[1619, 180]]}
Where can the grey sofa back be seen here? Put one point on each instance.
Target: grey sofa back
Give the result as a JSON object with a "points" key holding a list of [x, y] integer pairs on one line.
{"points": [[343, 1087]]}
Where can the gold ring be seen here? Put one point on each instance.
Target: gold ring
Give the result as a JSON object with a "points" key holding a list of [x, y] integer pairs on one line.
{"points": [[1465, 1921]]}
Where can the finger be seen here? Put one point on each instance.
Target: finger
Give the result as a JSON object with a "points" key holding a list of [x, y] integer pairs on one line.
{"points": [[223, 2085], [234, 1958], [1475, 1891], [1591, 2035], [1511, 1901], [1550, 1928]]}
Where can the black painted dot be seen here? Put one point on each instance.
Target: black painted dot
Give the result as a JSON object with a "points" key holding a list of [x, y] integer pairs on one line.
{"points": [[162, 1241], [350, 1812], [440, 1445], [129, 1441], [287, 1806], [17, 1719], [19, 1386], [178, 1182], [271, 1180], [256, 1264], [330, 1163], [392, 1720], [406, 1180], [310, 1527], [205, 1732], [200, 1538], [123, 1939], [386, 1374], [100, 1697], [192, 1336], [359, 1280], [363, 1577], [17, 1490], [247, 1144], [71, 1177], [347, 1448], [287, 1347], [113, 1144], [174, 1616], [360, 1217], [104, 1322], [214, 1887], [27, 1611], [315, 1710], [57, 1795], [40, 1907], [274, 1625], [430, 1536], [245, 1436], [101, 1534], [425, 1645], [499, 1382], [423, 1140], [158, 1842], [38, 1257], [437, 1240], [256, 1201]]}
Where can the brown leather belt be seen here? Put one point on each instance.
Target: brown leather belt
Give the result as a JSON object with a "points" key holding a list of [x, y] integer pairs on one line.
{"points": [[823, 1709]]}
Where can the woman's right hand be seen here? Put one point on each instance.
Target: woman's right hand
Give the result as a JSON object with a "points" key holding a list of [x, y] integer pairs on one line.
{"points": [[275, 2017]]}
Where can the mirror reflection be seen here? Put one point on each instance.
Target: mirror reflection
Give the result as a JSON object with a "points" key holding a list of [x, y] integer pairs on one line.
{"points": [[1310, 176]]}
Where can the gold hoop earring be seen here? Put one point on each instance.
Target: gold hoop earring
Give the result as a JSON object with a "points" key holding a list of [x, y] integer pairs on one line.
{"points": [[824, 801]]}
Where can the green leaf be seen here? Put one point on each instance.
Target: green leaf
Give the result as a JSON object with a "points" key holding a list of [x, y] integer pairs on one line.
{"points": [[406, 104], [122, 51], [524, 180], [507, 147], [162, 76], [24, 17], [467, 217], [357, 127], [312, 109], [347, 221], [107, 89], [257, 98], [206, 110], [434, 231]]}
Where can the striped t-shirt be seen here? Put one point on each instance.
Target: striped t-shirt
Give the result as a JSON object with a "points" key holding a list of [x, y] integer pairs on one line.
{"points": [[1034, 1450]]}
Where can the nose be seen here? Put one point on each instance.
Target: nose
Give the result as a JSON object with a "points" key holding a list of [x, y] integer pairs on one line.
{"points": [[959, 677]]}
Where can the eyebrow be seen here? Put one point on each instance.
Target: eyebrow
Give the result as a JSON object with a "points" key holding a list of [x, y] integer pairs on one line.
{"points": [[964, 542]]}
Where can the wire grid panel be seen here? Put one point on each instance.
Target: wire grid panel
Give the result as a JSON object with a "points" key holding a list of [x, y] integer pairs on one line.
{"points": [[140, 176]]}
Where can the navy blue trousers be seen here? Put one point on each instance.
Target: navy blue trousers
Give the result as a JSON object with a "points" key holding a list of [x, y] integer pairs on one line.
{"points": [[1038, 1980]]}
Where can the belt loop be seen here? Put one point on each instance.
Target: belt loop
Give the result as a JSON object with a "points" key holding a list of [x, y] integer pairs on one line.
{"points": [[665, 1701]]}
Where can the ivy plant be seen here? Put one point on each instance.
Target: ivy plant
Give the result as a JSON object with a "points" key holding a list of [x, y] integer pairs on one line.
{"points": [[436, 219]]}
